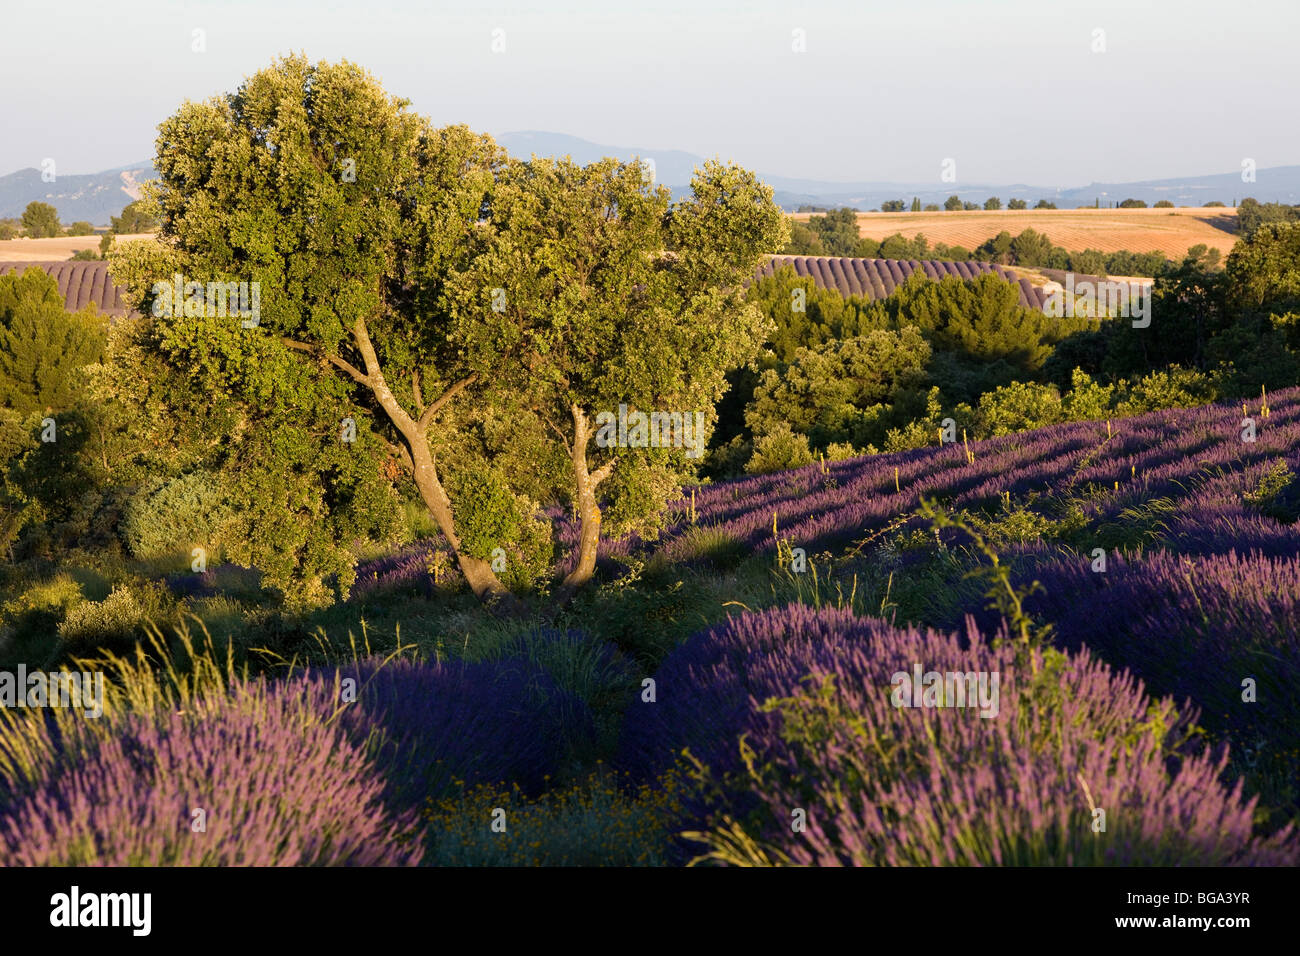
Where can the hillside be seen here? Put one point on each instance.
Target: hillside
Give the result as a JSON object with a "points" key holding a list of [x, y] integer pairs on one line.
{"points": [[94, 197]]}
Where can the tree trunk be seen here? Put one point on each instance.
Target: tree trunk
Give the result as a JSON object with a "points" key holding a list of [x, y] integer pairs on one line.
{"points": [[482, 579], [584, 485]]}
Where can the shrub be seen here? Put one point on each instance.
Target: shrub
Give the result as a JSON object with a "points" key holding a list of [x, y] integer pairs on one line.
{"points": [[778, 450], [594, 822], [1019, 407], [117, 619], [167, 516], [277, 784]]}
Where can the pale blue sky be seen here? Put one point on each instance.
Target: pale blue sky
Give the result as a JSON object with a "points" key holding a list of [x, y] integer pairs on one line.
{"points": [[885, 91]]}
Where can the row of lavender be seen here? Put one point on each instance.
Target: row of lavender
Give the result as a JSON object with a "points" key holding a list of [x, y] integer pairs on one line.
{"points": [[325, 768], [1199, 450], [792, 712]]}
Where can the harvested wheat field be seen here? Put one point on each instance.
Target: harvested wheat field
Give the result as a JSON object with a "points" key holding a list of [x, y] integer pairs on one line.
{"points": [[53, 250], [1171, 231]]}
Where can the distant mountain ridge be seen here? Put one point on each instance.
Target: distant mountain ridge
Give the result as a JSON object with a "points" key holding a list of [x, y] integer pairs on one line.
{"points": [[96, 197], [673, 168], [93, 197]]}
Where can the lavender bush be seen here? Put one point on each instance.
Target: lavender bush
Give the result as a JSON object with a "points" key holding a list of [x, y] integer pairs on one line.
{"points": [[276, 786], [807, 694]]}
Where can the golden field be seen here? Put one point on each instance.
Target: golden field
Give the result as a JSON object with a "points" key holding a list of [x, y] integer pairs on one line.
{"points": [[1171, 231], [53, 250]]}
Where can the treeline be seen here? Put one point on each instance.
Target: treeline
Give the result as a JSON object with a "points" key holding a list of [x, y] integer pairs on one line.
{"points": [[846, 376], [40, 220], [836, 234], [1251, 215]]}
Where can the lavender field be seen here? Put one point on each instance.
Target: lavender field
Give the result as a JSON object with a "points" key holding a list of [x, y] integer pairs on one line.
{"points": [[1144, 637]]}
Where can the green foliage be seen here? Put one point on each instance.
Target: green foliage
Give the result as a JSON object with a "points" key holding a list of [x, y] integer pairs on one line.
{"points": [[952, 203], [1016, 204], [258, 186], [81, 228], [168, 516], [1173, 387], [1263, 271], [993, 202], [1020, 406], [655, 291], [779, 449], [135, 218], [1251, 215], [116, 623], [832, 234], [1277, 495], [837, 391], [41, 220], [490, 516], [1133, 204], [1163, 204], [43, 349], [85, 255], [592, 822]]}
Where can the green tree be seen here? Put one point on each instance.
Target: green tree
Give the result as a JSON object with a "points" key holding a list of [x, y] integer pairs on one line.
{"points": [[1016, 204], [348, 211], [81, 228], [803, 241], [1163, 204], [916, 204], [1133, 204], [41, 220], [952, 203], [1044, 204], [1263, 270], [892, 205], [839, 391], [43, 348], [592, 296], [993, 202], [134, 219]]}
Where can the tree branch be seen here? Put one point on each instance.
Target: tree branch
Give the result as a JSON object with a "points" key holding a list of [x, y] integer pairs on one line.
{"points": [[334, 360], [603, 472], [375, 379], [415, 389], [426, 415]]}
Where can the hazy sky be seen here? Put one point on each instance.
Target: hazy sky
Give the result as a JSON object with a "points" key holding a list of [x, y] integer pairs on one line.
{"points": [[886, 90]]}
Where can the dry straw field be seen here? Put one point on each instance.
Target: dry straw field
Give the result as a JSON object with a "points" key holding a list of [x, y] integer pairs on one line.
{"points": [[52, 250], [1171, 231]]}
